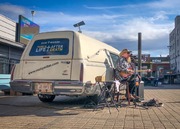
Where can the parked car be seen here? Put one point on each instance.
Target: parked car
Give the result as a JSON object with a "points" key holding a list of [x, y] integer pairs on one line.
{"points": [[4, 83], [63, 63]]}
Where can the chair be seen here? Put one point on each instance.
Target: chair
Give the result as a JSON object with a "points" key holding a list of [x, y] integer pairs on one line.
{"points": [[123, 86], [104, 91]]}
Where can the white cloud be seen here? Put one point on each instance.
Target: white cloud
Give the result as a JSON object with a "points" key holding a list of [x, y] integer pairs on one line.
{"points": [[150, 30], [154, 36], [129, 29], [159, 16], [118, 30], [164, 4], [158, 4], [12, 9], [109, 7]]}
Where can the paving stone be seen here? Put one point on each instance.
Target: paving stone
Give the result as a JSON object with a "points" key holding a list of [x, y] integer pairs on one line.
{"points": [[20, 112]]}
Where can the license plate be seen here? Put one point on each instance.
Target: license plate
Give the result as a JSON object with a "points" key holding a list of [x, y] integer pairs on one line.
{"points": [[43, 87]]}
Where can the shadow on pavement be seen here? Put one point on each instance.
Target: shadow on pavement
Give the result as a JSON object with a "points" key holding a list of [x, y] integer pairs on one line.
{"points": [[31, 105]]}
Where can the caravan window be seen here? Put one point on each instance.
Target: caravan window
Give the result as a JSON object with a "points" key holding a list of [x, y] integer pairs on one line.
{"points": [[114, 58], [50, 47]]}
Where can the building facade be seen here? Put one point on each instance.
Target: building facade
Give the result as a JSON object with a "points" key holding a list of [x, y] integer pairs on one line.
{"points": [[174, 51], [10, 50], [159, 65]]}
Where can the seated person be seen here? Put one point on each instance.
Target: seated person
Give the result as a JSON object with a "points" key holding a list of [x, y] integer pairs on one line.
{"points": [[124, 68]]}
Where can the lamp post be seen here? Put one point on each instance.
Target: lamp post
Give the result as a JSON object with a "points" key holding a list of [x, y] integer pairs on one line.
{"points": [[139, 52], [33, 13], [78, 25]]}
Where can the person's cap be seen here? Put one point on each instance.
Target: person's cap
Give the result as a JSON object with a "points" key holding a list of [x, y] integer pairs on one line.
{"points": [[125, 51]]}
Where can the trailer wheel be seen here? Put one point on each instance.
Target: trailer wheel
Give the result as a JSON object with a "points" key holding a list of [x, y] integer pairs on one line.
{"points": [[46, 98]]}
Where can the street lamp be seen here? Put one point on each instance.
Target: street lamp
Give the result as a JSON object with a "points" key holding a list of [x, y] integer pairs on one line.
{"points": [[33, 13], [78, 25]]}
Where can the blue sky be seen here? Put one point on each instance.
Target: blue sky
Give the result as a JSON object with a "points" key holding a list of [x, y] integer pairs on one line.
{"points": [[115, 22]]}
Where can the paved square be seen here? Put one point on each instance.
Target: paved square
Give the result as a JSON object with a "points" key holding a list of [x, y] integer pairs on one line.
{"points": [[27, 112]]}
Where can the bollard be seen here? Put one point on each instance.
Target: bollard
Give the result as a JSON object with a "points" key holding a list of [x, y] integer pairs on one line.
{"points": [[140, 91]]}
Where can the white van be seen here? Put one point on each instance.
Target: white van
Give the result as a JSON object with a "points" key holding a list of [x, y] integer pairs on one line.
{"points": [[63, 63]]}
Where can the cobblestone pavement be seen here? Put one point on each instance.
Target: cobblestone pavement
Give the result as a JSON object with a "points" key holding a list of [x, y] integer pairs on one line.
{"points": [[27, 112]]}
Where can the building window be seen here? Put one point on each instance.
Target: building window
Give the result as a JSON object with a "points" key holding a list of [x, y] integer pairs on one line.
{"points": [[4, 68], [6, 65], [177, 31]]}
